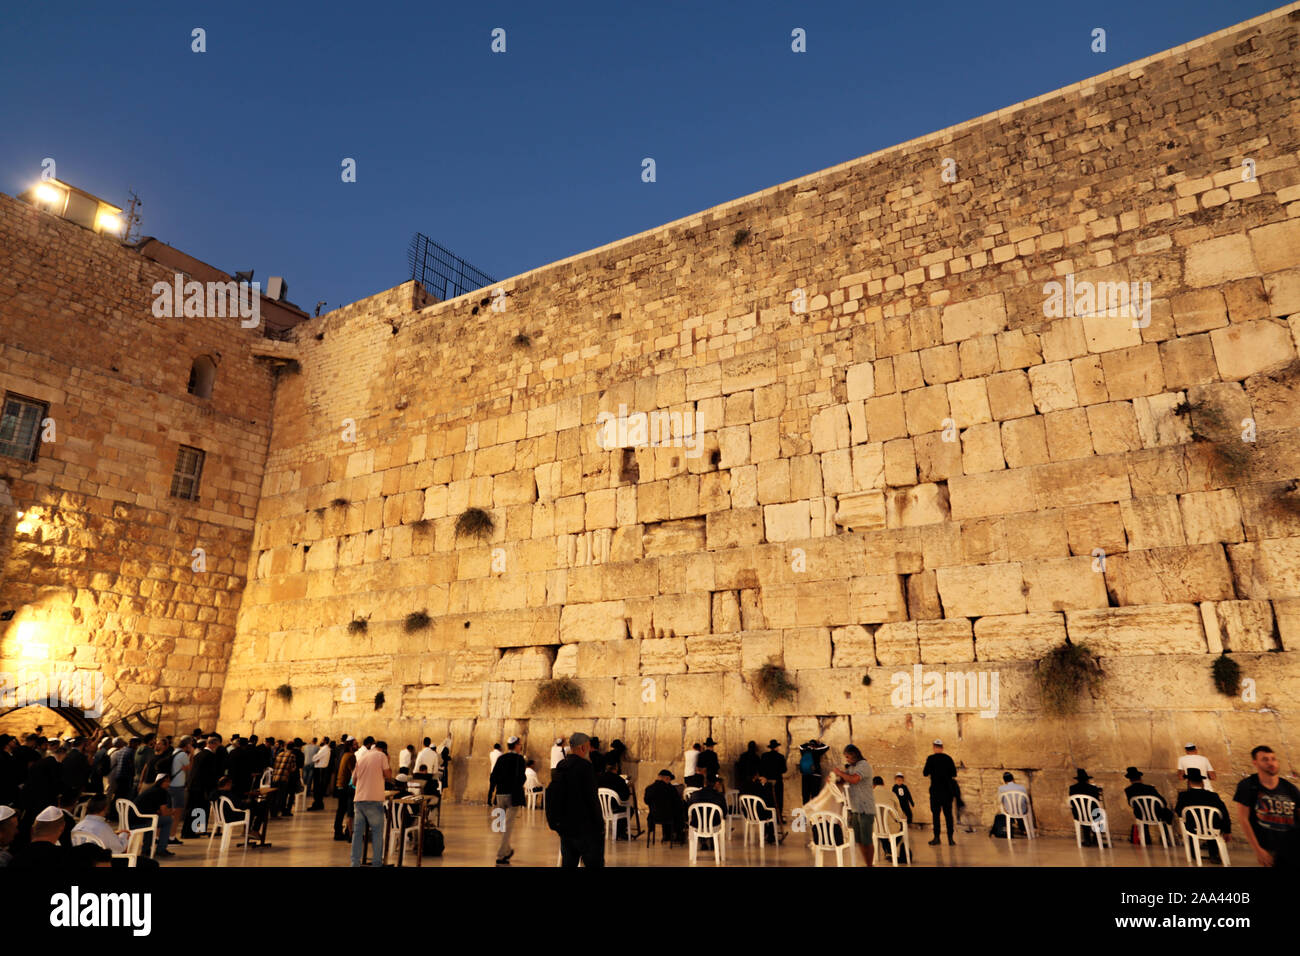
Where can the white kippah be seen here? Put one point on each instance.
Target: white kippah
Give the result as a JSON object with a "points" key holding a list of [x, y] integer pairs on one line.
{"points": [[6, 813], [49, 815]]}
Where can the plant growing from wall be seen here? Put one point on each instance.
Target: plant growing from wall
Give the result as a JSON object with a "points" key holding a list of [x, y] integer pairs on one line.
{"points": [[416, 621], [560, 692], [1211, 428], [424, 524], [284, 692], [522, 340], [339, 503], [772, 683], [358, 625], [1064, 674], [1227, 675], [739, 238], [379, 701], [475, 523]]}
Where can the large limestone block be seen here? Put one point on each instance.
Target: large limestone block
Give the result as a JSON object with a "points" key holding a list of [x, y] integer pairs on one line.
{"points": [[983, 316], [726, 612], [925, 409], [1060, 484], [566, 661], [874, 599], [833, 690], [1139, 629], [758, 647], [1245, 625], [675, 537], [918, 505], [1018, 637], [995, 493], [1113, 426], [1277, 245], [1154, 522], [663, 656], [717, 652], [1064, 584], [806, 647], [830, 429], [1246, 348], [945, 641], [683, 614], [1188, 361], [735, 528], [896, 643], [976, 591], [854, 646], [1198, 311], [519, 627], [1024, 441], [860, 380], [862, 511], [1008, 395], [981, 449], [524, 663], [1216, 261], [788, 522], [885, 417], [1052, 386], [1210, 516], [1170, 575], [1279, 560], [923, 597], [1283, 290], [1287, 612], [599, 621]]}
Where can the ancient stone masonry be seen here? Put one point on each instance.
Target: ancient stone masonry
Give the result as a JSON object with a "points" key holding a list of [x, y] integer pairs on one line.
{"points": [[868, 425], [100, 568]]}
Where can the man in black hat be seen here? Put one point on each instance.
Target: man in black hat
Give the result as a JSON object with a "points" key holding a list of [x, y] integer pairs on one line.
{"points": [[1197, 796], [707, 763], [665, 807], [772, 766], [1082, 786], [942, 772], [1137, 788]]}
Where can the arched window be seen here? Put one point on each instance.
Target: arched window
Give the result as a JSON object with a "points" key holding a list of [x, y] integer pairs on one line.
{"points": [[202, 374]]}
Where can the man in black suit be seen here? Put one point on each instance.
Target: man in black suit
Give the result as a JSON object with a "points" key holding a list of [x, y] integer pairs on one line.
{"points": [[572, 808], [75, 771], [207, 767], [943, 776], [772, 766], [1137, 788], [1197, 796], [1082, 786], [707, 762], [665, 807]]}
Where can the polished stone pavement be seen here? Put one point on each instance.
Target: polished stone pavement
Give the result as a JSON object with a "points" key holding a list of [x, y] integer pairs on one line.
{"points": [[305, 840]]}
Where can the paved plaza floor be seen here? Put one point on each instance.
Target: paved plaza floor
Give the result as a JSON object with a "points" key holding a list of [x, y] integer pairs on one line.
{"points": [[306, 840]]}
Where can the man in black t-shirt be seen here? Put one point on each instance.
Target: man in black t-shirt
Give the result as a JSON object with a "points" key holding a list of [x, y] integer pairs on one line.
{"points": [[1267, 806], [942, 773]]}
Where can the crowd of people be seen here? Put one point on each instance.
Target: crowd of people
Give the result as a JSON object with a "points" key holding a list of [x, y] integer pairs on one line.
{"points": [[59, 797]]}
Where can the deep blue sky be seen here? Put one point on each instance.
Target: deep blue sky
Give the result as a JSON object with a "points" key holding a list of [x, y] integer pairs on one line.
{"points": [[512, 160]]}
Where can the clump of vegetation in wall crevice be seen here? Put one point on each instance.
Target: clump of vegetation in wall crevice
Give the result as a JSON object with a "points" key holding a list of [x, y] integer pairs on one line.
{"points": [[557, 693], [1227, 675], [416, 621], [772, 683], [475, 523], [285, 693], [358, 625], [1065, 674]]}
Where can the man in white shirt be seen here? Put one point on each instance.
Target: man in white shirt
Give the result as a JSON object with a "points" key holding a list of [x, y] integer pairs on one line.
{"points": [[320, 764], [493, 757], [1009, 785], [427, 760], [95, 824], [1191, 758], [557, 752], [531, 780], [692, 755]]}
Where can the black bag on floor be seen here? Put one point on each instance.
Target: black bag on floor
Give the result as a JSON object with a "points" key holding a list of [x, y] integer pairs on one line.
{"points": [[433, 842]]}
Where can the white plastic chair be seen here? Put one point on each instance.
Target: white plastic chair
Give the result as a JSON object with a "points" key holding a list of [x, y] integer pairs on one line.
{"points": [[1091, 814], [126, 809], [1015, 806], [892, 829], [81, 836], [686, 793], [399, 833], [266, 778], [1145, 813], [751, 807], [822, 825], [228, 818], [79, 809], [1205, 830], [705, 821], [608, 800], [534, 799]]}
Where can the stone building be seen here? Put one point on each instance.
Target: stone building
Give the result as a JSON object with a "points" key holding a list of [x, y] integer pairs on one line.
{"points": [[932, 411]]}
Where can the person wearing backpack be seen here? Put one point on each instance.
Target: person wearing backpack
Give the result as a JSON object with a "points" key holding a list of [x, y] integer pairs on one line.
{"points": [[573, 809], [810, 768]]}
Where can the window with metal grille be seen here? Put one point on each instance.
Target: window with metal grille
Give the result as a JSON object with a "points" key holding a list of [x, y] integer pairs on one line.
{"points": [[20, 427], [185, 479]]}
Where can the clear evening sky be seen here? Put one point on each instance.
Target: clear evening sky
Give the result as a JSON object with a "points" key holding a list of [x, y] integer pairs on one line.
{"points": [[512, 159]]}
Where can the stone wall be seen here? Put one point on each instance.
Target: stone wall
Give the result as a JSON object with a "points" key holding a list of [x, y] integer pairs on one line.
{"points": [[100, 568], [921, 467]]}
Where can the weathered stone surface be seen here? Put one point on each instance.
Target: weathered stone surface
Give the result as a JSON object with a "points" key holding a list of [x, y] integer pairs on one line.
{"points": [[1170, 575], [1018, 637], [976, 591], [1141, 629], [599, 621]]}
